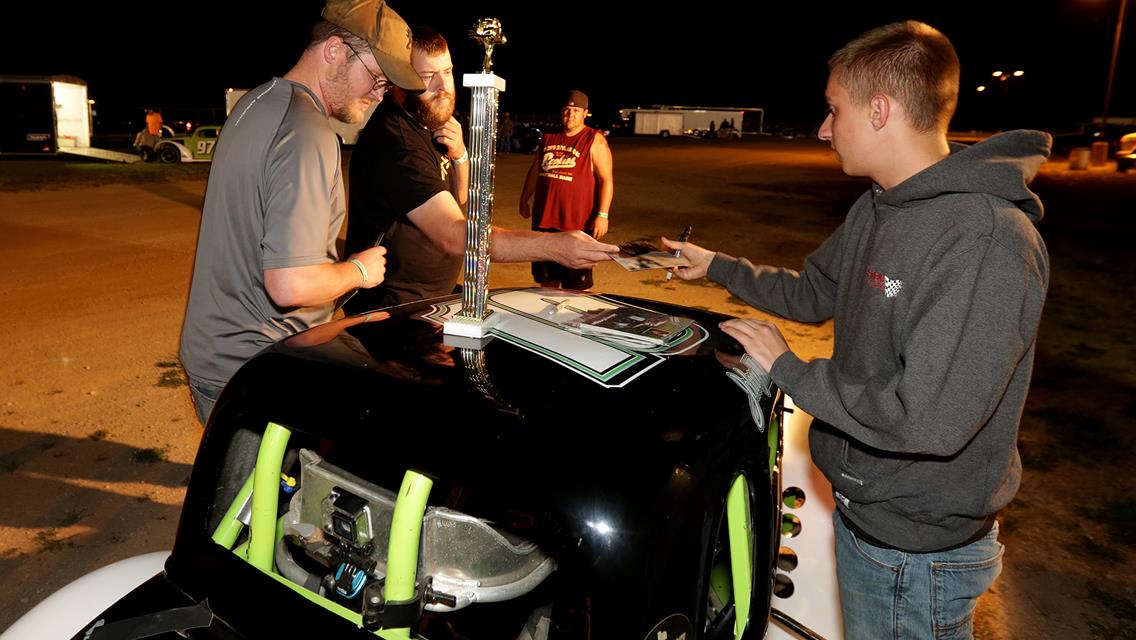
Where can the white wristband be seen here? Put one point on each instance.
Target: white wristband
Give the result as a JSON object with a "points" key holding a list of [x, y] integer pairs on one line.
{"points": [[464, 158], [362, 269]]}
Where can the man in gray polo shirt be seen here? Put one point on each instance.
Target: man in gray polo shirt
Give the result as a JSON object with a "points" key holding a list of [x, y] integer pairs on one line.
{"points": [[267, 265]]}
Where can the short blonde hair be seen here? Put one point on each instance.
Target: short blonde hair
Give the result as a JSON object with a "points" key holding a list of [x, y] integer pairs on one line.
{"points": [[910, 61]]}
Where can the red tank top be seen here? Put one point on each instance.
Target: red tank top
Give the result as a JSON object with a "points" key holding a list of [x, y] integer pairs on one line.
{"points": [[566, 185]]}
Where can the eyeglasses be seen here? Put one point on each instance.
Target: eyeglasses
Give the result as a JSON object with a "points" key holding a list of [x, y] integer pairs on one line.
{"points": [[381, 84]]}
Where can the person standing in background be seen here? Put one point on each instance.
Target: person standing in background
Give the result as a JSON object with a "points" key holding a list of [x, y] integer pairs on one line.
{"points": [[572, 181]]}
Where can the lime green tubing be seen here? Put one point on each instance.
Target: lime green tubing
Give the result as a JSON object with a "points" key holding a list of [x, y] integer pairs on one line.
{"points": [[265, 496], [741, 541], [406, 532]]}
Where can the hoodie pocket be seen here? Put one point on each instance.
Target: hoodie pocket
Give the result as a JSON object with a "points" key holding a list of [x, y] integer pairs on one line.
{"points": [[869, 475], [846, 470]]}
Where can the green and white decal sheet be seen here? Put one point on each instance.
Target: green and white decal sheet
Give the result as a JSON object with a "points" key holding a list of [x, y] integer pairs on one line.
{"points": [[541, 321]]}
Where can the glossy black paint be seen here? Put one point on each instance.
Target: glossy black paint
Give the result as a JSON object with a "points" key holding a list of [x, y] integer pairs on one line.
{"points": [[624, 487]]}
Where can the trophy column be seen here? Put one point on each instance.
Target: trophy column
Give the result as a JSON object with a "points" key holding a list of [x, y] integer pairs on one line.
{"points": [[476, 319]]}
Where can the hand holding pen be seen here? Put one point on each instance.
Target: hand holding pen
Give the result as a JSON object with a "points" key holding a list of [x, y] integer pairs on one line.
{"points": [[698, 257], [684, 237]]}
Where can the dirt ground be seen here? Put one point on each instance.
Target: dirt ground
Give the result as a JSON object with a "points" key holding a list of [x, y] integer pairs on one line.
{"points": [[97, 434]]}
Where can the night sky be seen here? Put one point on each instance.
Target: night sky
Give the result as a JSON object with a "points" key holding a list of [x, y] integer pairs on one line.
{"points": [[181, 56]]}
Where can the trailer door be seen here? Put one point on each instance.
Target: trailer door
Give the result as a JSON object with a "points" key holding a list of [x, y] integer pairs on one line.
{"points": [[28, 123]]}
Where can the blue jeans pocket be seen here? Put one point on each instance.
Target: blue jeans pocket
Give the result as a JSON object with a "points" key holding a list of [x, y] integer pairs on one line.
{"points": [[958, 579]]}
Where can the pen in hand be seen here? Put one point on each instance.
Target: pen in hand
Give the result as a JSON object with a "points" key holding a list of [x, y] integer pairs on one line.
{"points": [[678, 252]]}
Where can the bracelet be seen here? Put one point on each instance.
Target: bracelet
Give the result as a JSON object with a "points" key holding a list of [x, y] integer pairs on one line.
{"points": [[602, 214], [459, 161], [362, 269]]}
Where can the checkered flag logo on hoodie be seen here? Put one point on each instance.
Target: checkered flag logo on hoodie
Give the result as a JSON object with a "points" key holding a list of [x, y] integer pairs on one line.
{"points": [[892, 287]]}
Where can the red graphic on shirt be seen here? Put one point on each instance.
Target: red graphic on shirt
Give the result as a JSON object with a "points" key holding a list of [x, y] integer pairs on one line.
{"points": [[875, 280], [890, 287]]}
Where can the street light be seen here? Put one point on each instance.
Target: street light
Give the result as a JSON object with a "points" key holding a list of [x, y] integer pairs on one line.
{"points": [[1112, 67], [1004, 78]]}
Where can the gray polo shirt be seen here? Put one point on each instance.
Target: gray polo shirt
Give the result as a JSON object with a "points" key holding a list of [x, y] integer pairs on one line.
{"points": [[274, 199]]}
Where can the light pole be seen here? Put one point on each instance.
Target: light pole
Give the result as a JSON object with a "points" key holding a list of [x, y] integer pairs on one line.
{"points": [[1112, 67]]}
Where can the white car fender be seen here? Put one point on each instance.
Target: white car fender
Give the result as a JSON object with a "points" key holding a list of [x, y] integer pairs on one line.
{"points": [[186, 155], [63, 613]]}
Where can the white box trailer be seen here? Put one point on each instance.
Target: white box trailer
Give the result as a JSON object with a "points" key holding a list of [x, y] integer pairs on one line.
{"points": [[348, 133], [44, 114], [668, 120], [653, 122]]}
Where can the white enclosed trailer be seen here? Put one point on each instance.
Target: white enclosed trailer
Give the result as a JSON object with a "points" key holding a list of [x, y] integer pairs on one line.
{"points": [[674, 120]]}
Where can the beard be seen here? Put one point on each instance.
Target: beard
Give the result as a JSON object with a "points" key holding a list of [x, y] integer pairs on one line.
{"points": [[340, 104], [434, 113]]}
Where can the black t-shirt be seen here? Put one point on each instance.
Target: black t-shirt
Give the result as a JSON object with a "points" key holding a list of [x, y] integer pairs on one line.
{"points": [[395, 168]]}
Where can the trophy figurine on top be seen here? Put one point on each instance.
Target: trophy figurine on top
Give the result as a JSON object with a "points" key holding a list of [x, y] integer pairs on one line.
{"points": [[476, 319]]}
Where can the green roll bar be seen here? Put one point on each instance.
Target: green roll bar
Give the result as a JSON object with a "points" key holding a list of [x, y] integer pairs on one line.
{"points": [[406, 533], [264, 485], [741, 542]]}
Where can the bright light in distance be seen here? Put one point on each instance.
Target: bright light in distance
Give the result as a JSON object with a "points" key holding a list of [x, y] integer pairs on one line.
{"points": [[1019, 73], [997, 74], [981, 88], [601, 527]]}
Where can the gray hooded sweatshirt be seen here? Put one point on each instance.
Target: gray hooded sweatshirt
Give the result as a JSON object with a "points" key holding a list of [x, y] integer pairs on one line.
{"points": [[936, 288]]}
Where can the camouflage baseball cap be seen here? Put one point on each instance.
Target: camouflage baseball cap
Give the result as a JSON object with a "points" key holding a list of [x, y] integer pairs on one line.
{"points": [[385, 30]]}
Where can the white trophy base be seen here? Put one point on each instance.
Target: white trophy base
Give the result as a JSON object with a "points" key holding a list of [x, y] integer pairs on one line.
{"points": [[471, 327]]}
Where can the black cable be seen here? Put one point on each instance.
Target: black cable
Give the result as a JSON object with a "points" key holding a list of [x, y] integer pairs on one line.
{"points": [[793, 626]]}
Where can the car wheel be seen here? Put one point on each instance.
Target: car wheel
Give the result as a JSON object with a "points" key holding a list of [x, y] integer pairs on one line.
{"points": [[169, 153], [664, 134]]}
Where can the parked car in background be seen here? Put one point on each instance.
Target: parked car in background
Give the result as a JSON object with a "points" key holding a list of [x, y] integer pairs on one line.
{"points": [[194, 147]]}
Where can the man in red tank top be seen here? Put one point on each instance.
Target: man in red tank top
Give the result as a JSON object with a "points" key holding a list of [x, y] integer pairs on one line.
{"points": [[572, 180]]}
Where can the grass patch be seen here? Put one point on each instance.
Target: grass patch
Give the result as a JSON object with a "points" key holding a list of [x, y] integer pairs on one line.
{"points": [[1052, 434], [1119, 518], [172, 378], [1096, 550], [1014, 514], [1036, 455], [148, 456], [1088, 351], [58, 173], [1121, 610], [47, 541], [72, 516]]}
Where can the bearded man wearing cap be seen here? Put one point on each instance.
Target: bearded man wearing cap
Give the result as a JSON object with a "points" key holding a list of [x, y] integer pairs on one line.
{"points": [[267, 266], [409, 183], [571, 178]]}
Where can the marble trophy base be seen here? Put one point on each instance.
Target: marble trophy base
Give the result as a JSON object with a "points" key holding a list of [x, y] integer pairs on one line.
{"points": [[476, 328]]}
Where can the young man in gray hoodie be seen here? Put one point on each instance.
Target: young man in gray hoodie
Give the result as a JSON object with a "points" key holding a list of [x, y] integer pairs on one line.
{"points": [[935, 282]]}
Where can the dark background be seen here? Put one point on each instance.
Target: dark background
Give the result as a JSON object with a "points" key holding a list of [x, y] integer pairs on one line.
{"points": [[180, 57]]}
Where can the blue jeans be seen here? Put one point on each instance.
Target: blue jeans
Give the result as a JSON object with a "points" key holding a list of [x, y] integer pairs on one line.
{"points": [[204, 397], [894, 595]]}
